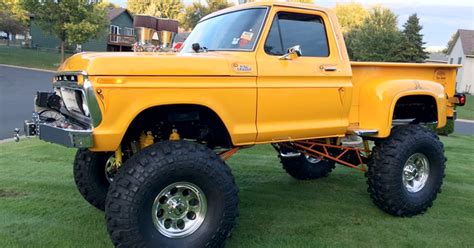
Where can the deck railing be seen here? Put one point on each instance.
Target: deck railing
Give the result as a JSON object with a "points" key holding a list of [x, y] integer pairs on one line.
{"points": [[121, 39]]}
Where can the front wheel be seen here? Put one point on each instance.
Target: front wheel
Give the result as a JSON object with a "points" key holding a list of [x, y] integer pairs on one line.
{"points": [[406, 171], [172, 194]]}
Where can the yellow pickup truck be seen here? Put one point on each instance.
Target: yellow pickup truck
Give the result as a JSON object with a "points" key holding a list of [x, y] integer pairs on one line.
{"points": [[154, 130]]}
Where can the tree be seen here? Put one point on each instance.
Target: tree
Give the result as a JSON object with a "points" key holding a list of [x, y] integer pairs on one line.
{"points": [[72, 21], [450, 43], [413, 50], [159, 8], [192, 14], [350, 15], [377, 39], [302, 1], [13, 19], [215, 5], [138, 6], [165, 8]]}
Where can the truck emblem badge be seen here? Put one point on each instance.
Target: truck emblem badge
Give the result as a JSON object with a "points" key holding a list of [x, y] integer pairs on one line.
{"points": [[241, 68]]}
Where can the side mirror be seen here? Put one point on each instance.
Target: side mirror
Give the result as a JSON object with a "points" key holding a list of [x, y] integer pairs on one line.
{"points": [[293, 53]]}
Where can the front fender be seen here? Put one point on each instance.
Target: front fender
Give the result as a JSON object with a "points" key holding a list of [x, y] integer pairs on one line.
{"points": [[233, 99], [378, 100]]}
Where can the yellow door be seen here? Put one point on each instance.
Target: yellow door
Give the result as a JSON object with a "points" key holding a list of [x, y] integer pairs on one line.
{"points": [[305, 96]]}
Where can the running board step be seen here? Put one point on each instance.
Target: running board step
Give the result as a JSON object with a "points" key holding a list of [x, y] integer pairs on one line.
{"points": [[364, 132]]}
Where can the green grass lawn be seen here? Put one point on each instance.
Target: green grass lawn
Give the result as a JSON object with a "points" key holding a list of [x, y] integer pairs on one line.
{"points": [[467, 111], [40, 206], [30, 58]]}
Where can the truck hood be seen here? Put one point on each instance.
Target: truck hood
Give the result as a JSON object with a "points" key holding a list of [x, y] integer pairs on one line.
{"points": [[164, 64]]}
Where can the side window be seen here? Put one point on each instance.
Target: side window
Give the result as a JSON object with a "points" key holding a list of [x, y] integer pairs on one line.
{"points": [[460, 60], [290, 29]]}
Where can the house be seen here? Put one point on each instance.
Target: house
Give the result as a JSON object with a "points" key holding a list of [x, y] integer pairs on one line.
{"points": [[181, 37], [461, 52], [437, 58], [119, 36]]}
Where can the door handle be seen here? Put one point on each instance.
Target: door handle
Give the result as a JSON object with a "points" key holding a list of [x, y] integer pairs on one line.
{"points": [[328, 67]]}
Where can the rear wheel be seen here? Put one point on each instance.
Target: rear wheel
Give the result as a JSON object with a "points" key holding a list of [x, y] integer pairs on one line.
{"points": [[305, 167], [407, 171], [172, 194], [92, 177]]}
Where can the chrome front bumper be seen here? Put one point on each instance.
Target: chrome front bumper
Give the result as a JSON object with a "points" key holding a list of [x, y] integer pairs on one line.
{"points": [[63, 136]]}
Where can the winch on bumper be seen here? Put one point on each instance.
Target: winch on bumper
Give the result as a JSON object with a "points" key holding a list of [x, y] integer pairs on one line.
{"points": [[67, 115]]}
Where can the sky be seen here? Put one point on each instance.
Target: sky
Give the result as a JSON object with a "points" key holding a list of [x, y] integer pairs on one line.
{"points": [[439, 18]]}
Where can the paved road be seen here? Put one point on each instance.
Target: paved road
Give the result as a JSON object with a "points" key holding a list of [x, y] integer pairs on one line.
{"points": [[462, 127], [18, 86], [17, 89]]}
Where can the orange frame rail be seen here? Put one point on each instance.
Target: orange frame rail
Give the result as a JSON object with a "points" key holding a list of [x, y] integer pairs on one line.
{"points": [[308, 148], [227, 154]]}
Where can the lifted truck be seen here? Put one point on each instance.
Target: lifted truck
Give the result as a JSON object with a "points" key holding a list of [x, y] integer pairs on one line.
{"points": [[154, 130]]}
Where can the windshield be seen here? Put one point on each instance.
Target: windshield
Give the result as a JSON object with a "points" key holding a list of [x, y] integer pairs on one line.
{"points": [[237, 30]]}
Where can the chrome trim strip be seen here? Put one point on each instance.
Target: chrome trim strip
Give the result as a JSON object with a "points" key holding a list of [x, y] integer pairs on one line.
{"points": [[70, 73], [364, 132], [92, 103]]}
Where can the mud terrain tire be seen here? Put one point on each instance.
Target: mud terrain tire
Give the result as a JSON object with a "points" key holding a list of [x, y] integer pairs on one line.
{"points": [[130, 205], [394, 185], [89, 175]]}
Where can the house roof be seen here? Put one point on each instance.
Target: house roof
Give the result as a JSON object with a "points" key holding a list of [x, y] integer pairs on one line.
{"points": [[467, 41], [438, 57], [113, 12]]}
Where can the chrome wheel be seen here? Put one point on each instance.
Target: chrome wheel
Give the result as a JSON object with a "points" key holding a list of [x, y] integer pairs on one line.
{"points": [[416, 172], [312, 160], [179, 210], [110, 169]]}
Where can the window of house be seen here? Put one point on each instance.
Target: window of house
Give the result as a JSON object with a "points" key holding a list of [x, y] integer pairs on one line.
{"points": [[114, 29], [291, 29], [451, 60], [459, 60], [128, 31], [114, 32]]}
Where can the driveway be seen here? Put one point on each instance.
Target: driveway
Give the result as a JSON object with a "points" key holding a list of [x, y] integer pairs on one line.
{"points": [[17, 90], [464, 127], [18, 87]]}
